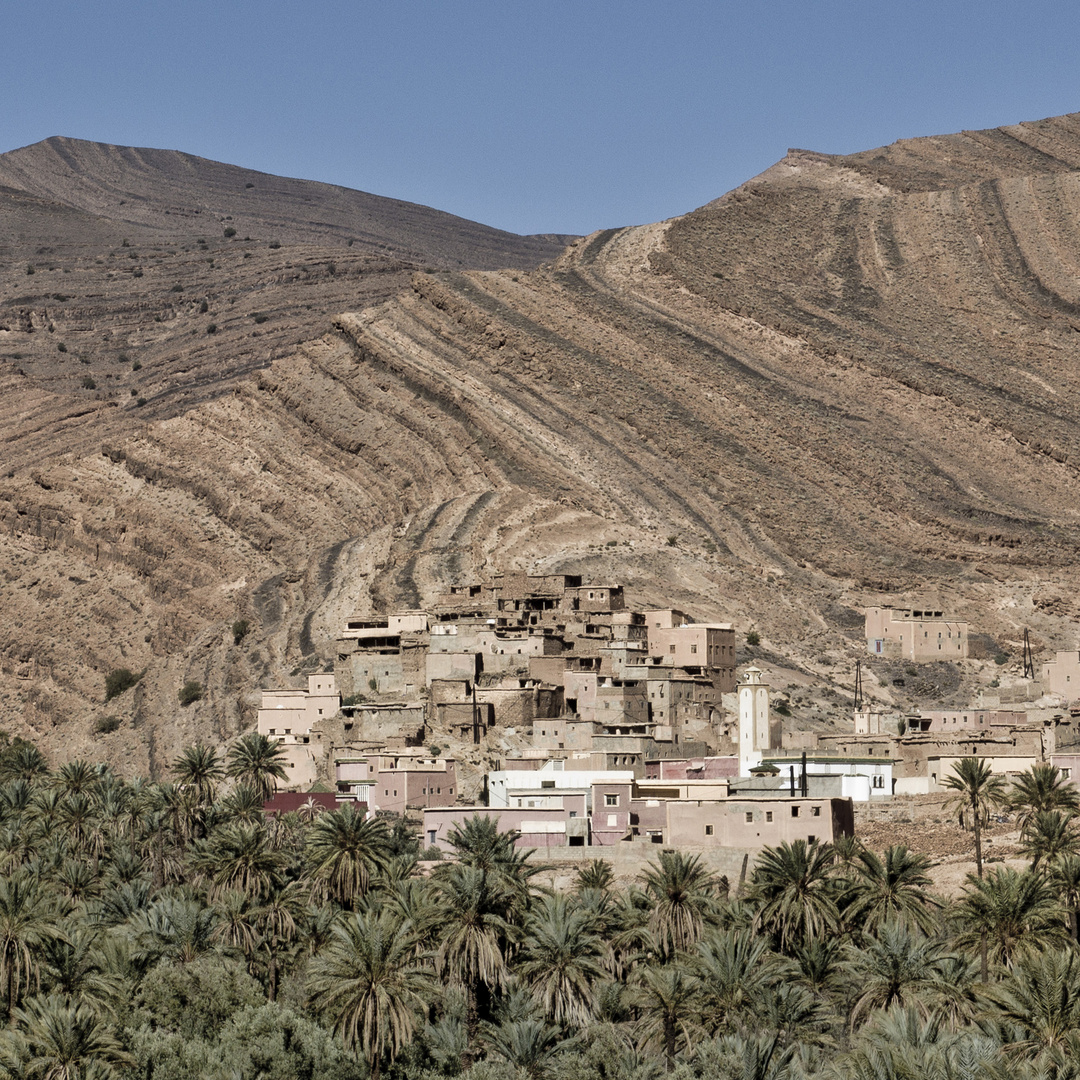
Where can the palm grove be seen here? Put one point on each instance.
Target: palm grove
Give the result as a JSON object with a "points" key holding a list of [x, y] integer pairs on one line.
{"points": [[169, 930]]}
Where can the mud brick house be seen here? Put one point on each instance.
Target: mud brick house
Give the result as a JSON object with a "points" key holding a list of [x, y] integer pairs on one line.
{"points": [[917, 634]]}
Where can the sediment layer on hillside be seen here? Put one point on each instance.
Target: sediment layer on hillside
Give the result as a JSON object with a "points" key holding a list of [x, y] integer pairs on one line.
{"points": [[851, 380]]}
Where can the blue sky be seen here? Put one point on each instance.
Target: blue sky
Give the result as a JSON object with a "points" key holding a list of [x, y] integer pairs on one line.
{"points": [[549, 116]]}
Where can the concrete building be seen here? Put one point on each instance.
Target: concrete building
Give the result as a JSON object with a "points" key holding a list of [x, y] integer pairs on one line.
{"points": [[702, 768], [540, 827], [405, 783], [621, 817], [917, 634], [1062, 675], [674, 641], [922, 761], [862, 779], [526, 787]]}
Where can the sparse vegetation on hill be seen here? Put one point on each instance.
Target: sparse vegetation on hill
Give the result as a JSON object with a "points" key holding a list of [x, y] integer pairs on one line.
{"points": [[119, 680], [873, 401], [190, 692]]}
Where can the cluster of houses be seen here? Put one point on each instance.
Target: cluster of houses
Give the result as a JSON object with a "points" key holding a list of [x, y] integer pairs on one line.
{"points": [[632, 727]]}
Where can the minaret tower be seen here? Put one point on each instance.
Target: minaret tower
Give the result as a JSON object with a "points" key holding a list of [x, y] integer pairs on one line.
{"points": [[753, 720]]}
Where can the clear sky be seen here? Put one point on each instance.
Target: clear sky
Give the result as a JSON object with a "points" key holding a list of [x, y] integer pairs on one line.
{"points": [[549, 116]]}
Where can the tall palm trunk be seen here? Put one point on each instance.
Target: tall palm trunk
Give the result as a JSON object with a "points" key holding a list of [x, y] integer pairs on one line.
{"points": [[978, 834], [472, 1021], [984, 960]]}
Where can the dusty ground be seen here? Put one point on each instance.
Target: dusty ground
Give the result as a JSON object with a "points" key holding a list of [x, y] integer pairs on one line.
{"points": [[924, 824]]}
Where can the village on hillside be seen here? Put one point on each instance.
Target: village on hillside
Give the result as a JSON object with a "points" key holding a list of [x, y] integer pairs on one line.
{"points": [[595, 725]]}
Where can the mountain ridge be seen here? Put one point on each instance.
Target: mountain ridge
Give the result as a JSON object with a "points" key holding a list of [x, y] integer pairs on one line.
{"points": [[816, 393], [85, 174]]}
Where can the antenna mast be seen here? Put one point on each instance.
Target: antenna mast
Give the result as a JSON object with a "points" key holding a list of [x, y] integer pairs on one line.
{"points": [[1029, 662]]}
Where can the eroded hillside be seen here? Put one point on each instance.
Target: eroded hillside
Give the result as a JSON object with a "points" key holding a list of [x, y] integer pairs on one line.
{"points": [[850, 381]]}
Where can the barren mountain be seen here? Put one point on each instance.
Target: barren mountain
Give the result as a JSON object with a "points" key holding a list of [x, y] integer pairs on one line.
{"points": [[852, 380]]}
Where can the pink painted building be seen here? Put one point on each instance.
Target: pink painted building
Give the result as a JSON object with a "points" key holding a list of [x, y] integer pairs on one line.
{"points": [[702, 768], [1068, 765], [397, 783], [610, 812], [1062, 674], [540, 827], [676, 642]]}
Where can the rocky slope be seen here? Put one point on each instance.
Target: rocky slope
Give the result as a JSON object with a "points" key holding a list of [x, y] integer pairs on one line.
{"points": [[851, 381]]}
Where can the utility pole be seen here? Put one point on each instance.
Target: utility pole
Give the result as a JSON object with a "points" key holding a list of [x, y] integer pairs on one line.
{"points": [[1029, 662]]}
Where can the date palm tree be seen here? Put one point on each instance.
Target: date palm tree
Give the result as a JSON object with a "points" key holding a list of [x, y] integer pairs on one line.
{"points": [[279, 920], [77, 813], [667, 996], [478, 843], [64, 1040], [1042, 788], [371, 986], [1039, 1003], [243, 804], [173, 928], [258, 762], [474, 938], [1014, 911], [27, 921], [594, 875], [684, 896], [561, 959], [794, 894], [889, 888], [236, 924], [898, 967], [342, 852], [77, 778], [239, 856], [198, 769], [1065, 874], [23, 761], [1048, 837], [978, 792], [761, 1056], [733, 969], [956, 999], [903, 1044], [528, 1043], [73, 965]]}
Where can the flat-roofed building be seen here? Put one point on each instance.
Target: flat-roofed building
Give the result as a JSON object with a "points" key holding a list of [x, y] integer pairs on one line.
{"points": [[287, 716], [758, 822], [404, 783], [1062, 675], [917, 634]]}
